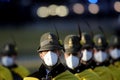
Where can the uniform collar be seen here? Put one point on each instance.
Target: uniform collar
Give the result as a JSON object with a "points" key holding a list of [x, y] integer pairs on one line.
{"points": [[42, 74], [53, 73], [112, 61], [76, 70], [57, 70], [105, 63], [10, 67]]}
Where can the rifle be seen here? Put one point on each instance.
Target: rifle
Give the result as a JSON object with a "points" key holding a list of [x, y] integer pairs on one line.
{"points": [[60, 41], [13, 39], [91, 31], [56, 32], [101, 29]]}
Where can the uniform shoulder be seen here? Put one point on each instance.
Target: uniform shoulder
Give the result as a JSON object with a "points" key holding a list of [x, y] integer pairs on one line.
{"points": [[66, 76], [30, 78], [22, 71]]}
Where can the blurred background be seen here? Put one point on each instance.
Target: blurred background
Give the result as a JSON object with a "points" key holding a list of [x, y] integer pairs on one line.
{"points": [[26, 20]]}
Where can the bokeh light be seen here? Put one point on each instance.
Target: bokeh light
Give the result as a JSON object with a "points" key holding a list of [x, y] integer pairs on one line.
{"points": [[93, 1], [62, 11], [43, 12], [52, 9], [78, 8], [93, 8]]}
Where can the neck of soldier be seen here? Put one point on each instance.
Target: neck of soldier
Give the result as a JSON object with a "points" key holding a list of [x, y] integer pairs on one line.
{"points": [[105, 63], [88, 64], [11, 66], [75, 70]]}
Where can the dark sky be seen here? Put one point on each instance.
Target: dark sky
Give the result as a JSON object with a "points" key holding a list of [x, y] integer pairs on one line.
{"points": [[20, 11]]}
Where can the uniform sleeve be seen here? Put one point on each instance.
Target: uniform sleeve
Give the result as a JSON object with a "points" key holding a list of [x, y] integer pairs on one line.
{"points": [[30, 78], [104, 73], [1, 78], [65, 76], [115, 72], [5, 74], [117, 64], [22, 71], [88, 74]]}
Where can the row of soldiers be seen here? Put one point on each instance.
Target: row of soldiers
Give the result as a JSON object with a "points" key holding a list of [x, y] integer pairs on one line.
{"points": [[79, 58]]}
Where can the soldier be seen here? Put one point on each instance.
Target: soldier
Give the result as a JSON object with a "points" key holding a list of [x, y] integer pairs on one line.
{"points": [[87, 51], [100, 48], [73, 56], [72, 53], [3, 72], [102, 60], [114, 47], [8, 59], [51, 67], [114, 50]]}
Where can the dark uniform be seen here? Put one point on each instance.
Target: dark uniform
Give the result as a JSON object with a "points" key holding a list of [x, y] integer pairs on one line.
{"points": [[49, 44], [42, 74]]}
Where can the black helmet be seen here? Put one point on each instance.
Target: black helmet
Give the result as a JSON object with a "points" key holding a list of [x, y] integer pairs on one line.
{"points": [[72, 44], [49, 41], [100, 41], [86, 40], [114, 41], [9, 49]]}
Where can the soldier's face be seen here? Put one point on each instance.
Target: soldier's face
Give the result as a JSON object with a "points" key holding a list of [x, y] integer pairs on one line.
{"points": [[72, 61]]}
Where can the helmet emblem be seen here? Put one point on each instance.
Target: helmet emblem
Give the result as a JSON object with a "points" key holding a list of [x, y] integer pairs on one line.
{"points": [[70, 43], [100, 41]]}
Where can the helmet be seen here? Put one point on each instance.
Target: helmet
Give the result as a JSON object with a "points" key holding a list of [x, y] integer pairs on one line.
{"points": [[114, 41], [100, 41], [86, 40], [49, 41], [72, 44], [9, 49]]}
